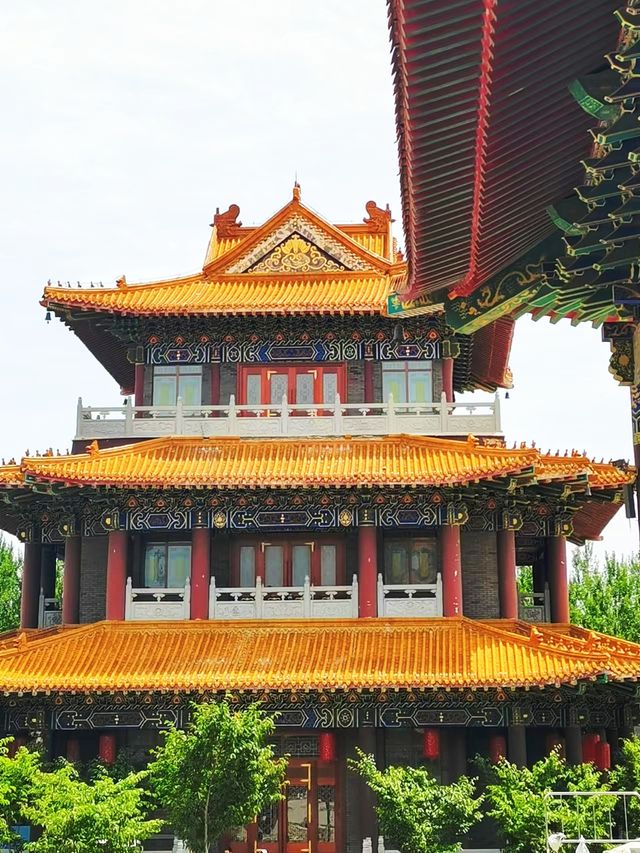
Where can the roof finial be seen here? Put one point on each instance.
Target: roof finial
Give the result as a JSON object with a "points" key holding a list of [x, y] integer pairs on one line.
{"points": [[296, 189], [121, 282]]}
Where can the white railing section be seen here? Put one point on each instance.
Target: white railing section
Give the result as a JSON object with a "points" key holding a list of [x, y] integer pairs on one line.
{"points": [[283, 602], [437, 418], [158, 604], [534, 606], [49, 611], [410, 599]]}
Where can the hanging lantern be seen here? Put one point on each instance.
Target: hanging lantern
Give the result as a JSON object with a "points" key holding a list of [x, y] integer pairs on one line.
{"points": [[107, 749], [589, 744], [603, 755], [431, 744], [497, 748], [327, 746]]}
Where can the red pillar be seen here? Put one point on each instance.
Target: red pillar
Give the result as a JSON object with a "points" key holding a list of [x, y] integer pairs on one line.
{"points": [[215, 385], [447, 378], [497, 748], [368, 382], [138, 393], [71, 581], [73, 749], [116, 574], [557, 574], [107, 749], [200, 556], [367, 570], [30, 585], [451, 570], [506, 542]]}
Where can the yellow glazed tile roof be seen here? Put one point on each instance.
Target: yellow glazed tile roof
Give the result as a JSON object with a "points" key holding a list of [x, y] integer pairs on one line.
{"points": [[400, 460], [307, 655], [334, 293]]}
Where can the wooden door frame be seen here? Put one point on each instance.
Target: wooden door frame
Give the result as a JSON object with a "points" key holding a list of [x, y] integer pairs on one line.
{"points": [[287, 541]]}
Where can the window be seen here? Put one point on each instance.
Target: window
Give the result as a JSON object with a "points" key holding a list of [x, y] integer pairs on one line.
{"points": [[171, 381], [167, 564], [407, 381], [410, 561]]}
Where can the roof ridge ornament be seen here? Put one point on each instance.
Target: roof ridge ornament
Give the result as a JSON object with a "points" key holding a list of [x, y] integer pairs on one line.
{"points": [[297, 191], [379, 219], [226, 223]]}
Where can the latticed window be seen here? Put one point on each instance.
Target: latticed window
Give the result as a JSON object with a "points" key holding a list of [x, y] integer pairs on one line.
{"points": [[407, 381], [171, 381], [411, 561], [167, 564]]}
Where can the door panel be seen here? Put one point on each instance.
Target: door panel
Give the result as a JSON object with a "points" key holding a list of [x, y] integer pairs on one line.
{"points": [[274, 574], [301, 563], [301, 384]]}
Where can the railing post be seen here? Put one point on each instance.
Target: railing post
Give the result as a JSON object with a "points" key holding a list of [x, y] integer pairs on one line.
{"points": [[41, 609], [306, 597], [444, 413], [337, 416], [380, 596], [259, 595], [186, 604], [354, 596], [128, 599], [497, 414], [391, 416], [439, 594], [284, 416], [128, 417], [212, 598], [231, 419], [179, 416], [79, 418]]}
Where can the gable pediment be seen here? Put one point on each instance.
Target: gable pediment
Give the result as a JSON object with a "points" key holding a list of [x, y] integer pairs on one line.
{"points": [[298, 245]]}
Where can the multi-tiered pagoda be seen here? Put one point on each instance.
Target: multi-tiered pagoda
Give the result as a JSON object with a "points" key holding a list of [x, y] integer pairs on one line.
{"points": [[290, 507]]}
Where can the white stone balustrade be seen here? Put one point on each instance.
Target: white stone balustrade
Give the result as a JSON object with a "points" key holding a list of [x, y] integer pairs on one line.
{"points": [[410, 599], [327, 419], [49, 611], [157, 604], [282, 602], [534, 606]]}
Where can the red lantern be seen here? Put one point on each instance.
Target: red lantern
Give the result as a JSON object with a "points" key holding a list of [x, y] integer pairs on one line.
{"points": [[107, 749], [603, 755], [431, 744], [589, 745], [497, 748], [327, 746]]}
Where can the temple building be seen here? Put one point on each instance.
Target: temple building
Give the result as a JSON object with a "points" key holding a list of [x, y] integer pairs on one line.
{"points": [[291, 507]]}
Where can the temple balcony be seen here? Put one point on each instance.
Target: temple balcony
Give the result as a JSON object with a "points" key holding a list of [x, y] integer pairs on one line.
{"points": [[435, 418]]}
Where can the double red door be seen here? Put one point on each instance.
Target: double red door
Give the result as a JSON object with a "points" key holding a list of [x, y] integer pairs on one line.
{"points": [[305, 820], [300, 385]]}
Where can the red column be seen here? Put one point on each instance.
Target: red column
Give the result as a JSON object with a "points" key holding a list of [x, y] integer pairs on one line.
{"points": [[138, 393], [73, 749], [30, 585], [71, 581], [557, 574], [116, 574], [215, 385], [506, 542], [368, 382], [367, 570], [451, 570], [107, 749], [447, 378], [200, 556], [497, 748]]}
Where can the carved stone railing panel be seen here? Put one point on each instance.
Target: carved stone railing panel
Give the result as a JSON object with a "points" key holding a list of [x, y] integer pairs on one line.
{"points": [[410, 599], [260, 602], [438, 418], [534, 606], [157, 604], [49, 611]]}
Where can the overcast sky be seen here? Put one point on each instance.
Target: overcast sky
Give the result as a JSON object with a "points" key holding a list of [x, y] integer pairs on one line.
{"points": [[125, 124]]}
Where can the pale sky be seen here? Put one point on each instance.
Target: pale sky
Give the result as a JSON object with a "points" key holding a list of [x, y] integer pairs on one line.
{"points": [[125, 124]]}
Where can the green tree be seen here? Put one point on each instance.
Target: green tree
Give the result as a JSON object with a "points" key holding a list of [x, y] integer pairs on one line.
{"points": [[625, 776], [10, 573], [81, 817], [516, 801], [218, 774], [415, 811], [606, 598], [16, 785]]}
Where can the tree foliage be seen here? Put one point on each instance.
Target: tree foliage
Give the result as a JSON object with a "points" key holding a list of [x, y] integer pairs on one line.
{"points": [[414, 810], [606, 598], [625, 776], [79, 817], [16, 785], [516, 801], [10, 574], [217, 775]]}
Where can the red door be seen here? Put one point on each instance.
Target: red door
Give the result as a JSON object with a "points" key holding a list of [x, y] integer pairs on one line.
{"points": [[304, 821], [300, 385], [286, 562]]}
